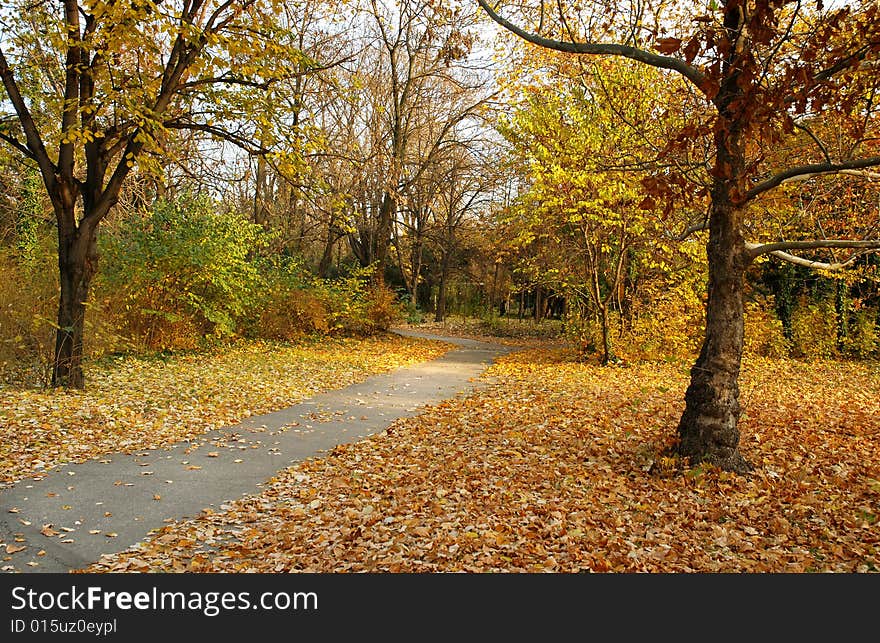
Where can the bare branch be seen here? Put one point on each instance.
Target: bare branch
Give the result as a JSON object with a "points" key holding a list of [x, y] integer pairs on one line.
{"points": [[697, 227], [813, 265], [14, 142], [816, 140], [238, 140], [693, 74], [755, 249], [808, 171]]}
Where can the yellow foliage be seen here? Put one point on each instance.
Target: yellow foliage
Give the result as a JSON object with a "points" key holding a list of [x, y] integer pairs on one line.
{"points": [[814, 330], [763, 333]]}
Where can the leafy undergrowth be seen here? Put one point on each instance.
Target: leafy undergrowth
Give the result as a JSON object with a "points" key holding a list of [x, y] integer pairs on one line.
{"points": [[135, 403], [550, 469]]}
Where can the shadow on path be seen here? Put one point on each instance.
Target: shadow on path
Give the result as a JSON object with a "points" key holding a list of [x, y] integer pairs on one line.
{"points": [[78, 512]]}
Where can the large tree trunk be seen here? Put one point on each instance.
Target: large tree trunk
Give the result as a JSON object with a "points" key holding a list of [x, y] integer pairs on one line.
{"points": [[708, 427], [77, 257]]}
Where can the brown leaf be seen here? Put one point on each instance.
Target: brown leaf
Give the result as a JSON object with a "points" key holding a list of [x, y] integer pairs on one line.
{"points": [[48, 531], [668, 45]]}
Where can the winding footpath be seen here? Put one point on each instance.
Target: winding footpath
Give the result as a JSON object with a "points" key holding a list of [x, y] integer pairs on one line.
{"points": [[78, 512]]}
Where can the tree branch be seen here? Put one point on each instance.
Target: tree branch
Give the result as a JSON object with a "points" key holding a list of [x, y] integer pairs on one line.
{"points": [[31, 133], [14, 142], [693, 74], [690, 230], [813, 265], [809, 171], [755, 249], [239, 141]]}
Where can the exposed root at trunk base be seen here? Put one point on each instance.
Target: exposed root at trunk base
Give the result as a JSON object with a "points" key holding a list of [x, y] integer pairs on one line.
{"points": [[672, 462], [733, 463]]}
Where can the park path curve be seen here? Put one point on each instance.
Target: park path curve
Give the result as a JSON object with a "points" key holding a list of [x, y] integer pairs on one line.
{"points": [[78, 512]]}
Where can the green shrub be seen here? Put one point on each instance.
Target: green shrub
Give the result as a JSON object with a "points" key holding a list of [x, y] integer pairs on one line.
{"points": [[286, 305], [359, 306], [292, 302], [181, 272]]}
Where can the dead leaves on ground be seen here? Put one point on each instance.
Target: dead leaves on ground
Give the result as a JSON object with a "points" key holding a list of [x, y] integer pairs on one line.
{"points": [[139, 403], [546, 470]]}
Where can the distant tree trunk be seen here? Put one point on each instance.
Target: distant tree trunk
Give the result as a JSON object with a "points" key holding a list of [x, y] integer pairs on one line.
{"points": [[781, 283], [383, 235], [440, 312], [607, 353], [423, 297], [261, 193], [327, 255], [840, 307]]}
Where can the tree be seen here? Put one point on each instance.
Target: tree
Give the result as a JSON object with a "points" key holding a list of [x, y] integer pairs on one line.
{"points": [[420, 45], [766, 69], [582, 163], [122, 76]]}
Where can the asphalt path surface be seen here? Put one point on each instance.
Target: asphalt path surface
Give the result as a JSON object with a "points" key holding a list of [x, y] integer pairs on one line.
{"points": [[77, 512]]}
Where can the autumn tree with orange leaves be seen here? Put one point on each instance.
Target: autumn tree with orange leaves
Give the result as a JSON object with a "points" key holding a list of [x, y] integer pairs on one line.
{"points": [[769, 73]]}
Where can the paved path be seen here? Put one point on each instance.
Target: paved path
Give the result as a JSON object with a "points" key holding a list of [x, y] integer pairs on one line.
{"points": [[108, 504]]}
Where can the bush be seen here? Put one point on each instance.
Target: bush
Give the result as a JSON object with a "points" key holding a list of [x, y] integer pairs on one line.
{"points": [[27, 314], [357, 305], [764, 335], [287, 305], [292, 303], [180, 273], [814, 329], [863, 340]]}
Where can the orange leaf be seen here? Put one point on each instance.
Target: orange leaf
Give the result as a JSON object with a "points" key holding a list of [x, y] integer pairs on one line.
{"points": [[48, 531]]}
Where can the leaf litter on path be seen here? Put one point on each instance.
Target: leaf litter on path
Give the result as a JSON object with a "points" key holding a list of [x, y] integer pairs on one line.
{"points": [[550, 468], [136, 403]]}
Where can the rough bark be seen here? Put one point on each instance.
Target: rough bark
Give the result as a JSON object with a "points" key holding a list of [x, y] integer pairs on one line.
{"points": [[77, 258], [708, 429]]}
